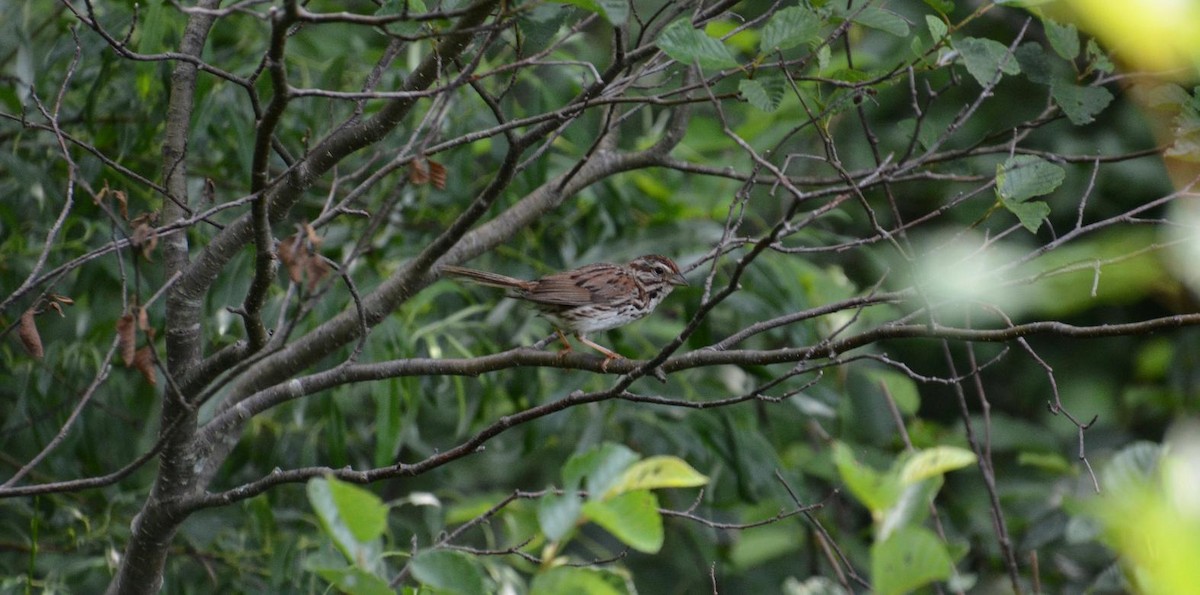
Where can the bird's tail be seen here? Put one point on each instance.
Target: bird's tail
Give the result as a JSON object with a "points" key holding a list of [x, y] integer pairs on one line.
{"points": [[484, 277]]}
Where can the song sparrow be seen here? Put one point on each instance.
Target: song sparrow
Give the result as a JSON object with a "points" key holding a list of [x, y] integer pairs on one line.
{"points": [[592, 298]]}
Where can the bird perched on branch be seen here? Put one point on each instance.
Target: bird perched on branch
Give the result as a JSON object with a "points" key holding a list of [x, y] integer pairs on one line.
{"points": [[592, 298]]}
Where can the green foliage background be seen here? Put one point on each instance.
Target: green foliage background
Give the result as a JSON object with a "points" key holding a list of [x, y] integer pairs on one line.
{"points": [[753, 452]]}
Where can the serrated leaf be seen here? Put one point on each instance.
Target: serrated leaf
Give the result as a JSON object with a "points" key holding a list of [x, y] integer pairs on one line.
{"points": [[689, 45], [1098, 59], [910, 558], [1025, 176], [789, 28], [1031, 214], [1080, 104], [1035, 63], [613, 11], [448, 570], [657, 472], [937, 27], [935, 461], [1063, 38], [984, 58], [557, 515], [1132, 468], [764, 92], [632, 517], [883, 20]]}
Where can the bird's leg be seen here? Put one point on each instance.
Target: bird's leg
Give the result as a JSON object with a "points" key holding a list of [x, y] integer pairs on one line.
{"points": [[566, 344], [609, 355]]}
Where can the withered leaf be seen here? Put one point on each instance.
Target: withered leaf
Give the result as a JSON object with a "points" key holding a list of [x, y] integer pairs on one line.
{"points": [[143, 361], [56, 307], [144, 236], [28, 333], [313, 238], [62, 299], [126, 338], [417, 173], [318, 269], [437, 173], [209, 193], [123, 203], [292, 258]]}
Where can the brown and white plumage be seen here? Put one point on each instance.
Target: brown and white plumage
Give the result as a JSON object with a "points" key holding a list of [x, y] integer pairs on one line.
{"points": [[596, 297]]}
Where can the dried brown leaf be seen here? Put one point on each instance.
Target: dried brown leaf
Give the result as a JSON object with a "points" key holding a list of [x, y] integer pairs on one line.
{"points": [[313, 238], [318, 269], [62, 299], [437, 174], [122, 203], [100, 196], [28, 333], [209, 193], [143, 361], [292, 257], [126, 338], [57, 308], [417, 173]]}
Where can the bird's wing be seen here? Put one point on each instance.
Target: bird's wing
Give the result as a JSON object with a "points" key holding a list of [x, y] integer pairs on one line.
{"points": [[580, 287]]}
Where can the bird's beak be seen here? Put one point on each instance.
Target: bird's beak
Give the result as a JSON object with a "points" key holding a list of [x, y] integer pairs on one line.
{"points": [[677, 279]]}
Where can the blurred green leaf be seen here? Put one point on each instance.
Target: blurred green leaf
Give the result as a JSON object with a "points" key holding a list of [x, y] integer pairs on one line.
{"points": [[353, 580], [657, 472], [1080, 104], [631, 517], [1022, 177], [985, 59], [558, 515], [877, 491], [683, 42], [1063, 38], [789, 28], [765, 92], [911, 558], [335, 504], [569, 579], [449, 571], [883, 20], [935, 461]]}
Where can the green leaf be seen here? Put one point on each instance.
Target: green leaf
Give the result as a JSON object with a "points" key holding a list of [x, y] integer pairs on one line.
{"points": [[789, 28], [557, 515], [1081, 104], [362, 511], [942, 6], [1063, 38], [632, 517], [883, 20], [902, 389], [1031, 214], [1098, 58], [1046, 461], [600, 466], [335, 523], [937, 27], [1025, 176], [576, 580], [449, 570], [935, 461], [911, 558], [984, 58], [877, 491], [764, 92], [911, 507], [613, 11], [353, 580], [1132, 468], [683, 42], [657, 472]]}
